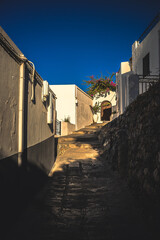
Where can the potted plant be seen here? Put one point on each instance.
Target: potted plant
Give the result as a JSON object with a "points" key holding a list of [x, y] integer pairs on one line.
{"points": [[95, 109], [67, 119]]}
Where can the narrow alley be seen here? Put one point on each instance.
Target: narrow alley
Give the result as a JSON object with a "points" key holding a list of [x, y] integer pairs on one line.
{"points": [[80, 146], [83, 199]]}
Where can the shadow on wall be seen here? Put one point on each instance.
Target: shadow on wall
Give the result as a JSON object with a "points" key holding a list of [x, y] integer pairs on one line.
{"points": [[42, 154], [131, 145], [18, 185]]}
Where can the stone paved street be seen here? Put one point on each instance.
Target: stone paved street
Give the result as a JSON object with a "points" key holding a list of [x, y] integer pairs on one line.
{"points": [[84, 200]]}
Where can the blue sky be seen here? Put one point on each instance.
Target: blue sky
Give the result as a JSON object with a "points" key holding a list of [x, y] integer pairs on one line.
{"points": [[69, 40]]}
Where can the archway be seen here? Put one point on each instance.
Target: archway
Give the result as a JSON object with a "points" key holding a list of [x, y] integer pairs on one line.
{"points": [[106, 110]]}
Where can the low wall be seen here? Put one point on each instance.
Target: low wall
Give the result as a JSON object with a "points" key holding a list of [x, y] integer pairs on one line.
{"points": [[131, 142], [18, 187], [67, 128]]}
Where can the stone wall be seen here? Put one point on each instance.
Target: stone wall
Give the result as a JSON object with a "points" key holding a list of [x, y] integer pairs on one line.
{"points": [[131, 142]]}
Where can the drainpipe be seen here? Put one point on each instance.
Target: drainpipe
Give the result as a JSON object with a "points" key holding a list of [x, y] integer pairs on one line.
{"points": [[21, 106], [21, 114]]}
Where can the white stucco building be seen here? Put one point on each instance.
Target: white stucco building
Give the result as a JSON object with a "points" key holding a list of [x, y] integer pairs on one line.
{"points": [[107, 104], [146, 54], [73, 104], [127, 86], [135, 76]]}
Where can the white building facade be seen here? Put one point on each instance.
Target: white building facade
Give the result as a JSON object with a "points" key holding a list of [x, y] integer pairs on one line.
{"points": [[107, 103], [146, 54], [135, 76], [127, 86], [72, 105]]}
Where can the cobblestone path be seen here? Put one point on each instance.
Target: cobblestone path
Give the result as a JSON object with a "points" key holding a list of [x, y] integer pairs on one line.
{"points": [[86, 200]]}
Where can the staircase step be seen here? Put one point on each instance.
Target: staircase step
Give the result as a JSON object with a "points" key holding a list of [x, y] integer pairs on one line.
{"points": [[80, 144], [80, 154], [85, 138], [96, 125], [87, 131], [78, 138]]}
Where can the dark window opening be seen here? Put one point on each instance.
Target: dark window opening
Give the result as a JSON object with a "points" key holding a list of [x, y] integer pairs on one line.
{"points": [[146, 70]]}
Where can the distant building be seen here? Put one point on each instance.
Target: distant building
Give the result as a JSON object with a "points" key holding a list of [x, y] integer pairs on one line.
{"points": [[27, 111], [73, 108], [107, 103], [135, 76]]}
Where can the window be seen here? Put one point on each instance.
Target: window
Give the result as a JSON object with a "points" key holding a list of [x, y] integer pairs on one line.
{"points": [[146, 70]]}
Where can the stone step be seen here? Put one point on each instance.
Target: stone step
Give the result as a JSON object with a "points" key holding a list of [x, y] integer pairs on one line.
{"points": [[63, 147], [88, 145], [72, 157], [85, 138], [96, 125], [94, 128], [91, 129], [78, 138], [78, 154], [87, 130]]}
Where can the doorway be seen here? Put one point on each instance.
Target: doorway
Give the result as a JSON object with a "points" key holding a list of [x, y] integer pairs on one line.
{"points": [[106, 111]]}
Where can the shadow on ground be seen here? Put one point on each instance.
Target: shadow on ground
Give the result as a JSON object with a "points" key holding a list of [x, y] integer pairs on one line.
{"points": [[83, 200]]}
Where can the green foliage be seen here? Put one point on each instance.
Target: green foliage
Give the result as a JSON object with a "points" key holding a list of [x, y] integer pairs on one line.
{"points": [[96, 108]]}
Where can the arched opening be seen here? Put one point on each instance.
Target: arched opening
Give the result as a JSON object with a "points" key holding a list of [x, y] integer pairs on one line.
{"points": [[106, 111]]}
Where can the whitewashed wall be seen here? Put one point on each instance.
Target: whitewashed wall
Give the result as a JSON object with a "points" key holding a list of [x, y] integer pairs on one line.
{"points": [[128, 86], [110, 96], [151, 45], [65, 103], [74, 103], [122, 89]]}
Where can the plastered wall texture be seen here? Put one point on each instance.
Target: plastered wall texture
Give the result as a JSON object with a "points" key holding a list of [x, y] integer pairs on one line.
{"points": [[9, 87], [83, 110], [110, 96], [131, 142], [121, 81], [67, 128], [127, 86], [37, 115], [39, 148], [65, 103], [74, 103], [151, 45]]}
